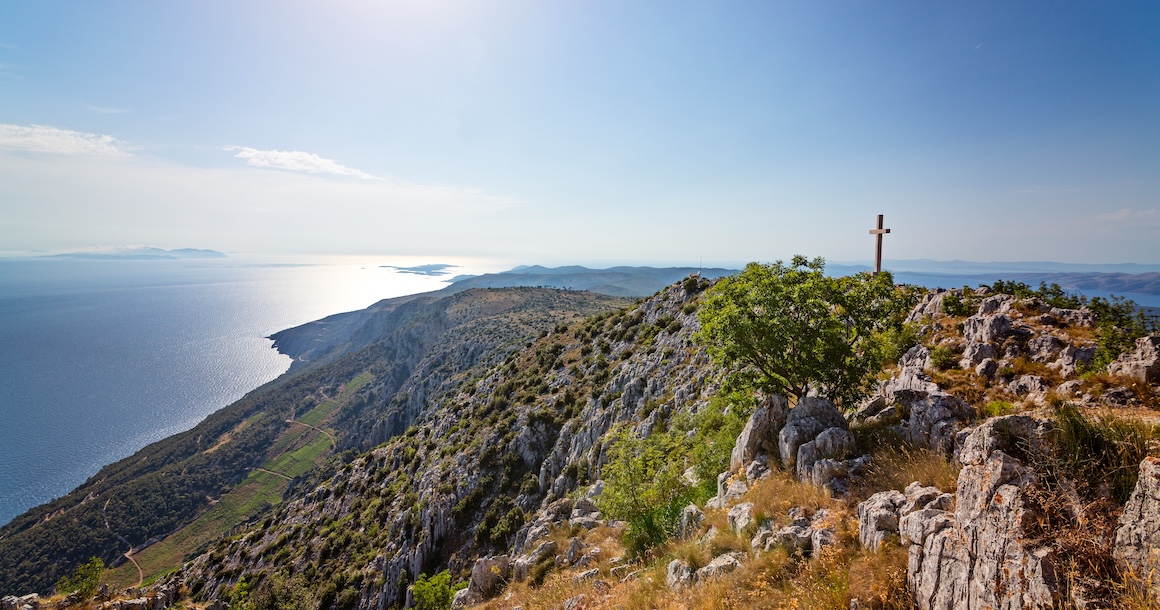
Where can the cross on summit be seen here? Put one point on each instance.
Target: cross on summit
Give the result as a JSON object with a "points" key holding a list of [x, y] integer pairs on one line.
{"points": [[878, 233]]}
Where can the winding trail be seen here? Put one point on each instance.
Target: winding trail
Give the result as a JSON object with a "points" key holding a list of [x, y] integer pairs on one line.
{"points": [[333, 443], [128, 554], [267, 471]]}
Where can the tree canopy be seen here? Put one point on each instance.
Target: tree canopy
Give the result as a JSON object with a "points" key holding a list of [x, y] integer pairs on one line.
{"points": [[790, 329]]}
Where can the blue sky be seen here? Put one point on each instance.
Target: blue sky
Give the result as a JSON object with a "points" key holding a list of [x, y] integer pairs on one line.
{"points": [[595, 131]]}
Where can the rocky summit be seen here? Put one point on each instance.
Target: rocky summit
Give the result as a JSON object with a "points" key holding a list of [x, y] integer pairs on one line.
{"points": [[554, 449]]}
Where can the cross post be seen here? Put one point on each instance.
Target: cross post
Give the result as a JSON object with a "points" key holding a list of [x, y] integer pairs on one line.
{"points": [[878, 233]]}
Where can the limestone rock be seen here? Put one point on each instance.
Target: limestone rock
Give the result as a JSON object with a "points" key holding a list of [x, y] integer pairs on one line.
{"points": [[1045, 348], [1137, 544], [998, 303], [489, 575], [918, 497], [987, 368], [1072, 357], [1025, 385], [936, 419], [575, 603], [976, 353], [740, 516], [795, 538], [586, 575], [691, 519], [979, 557], [878, 518], [986, 328], [760, 433], [1142, 363], [832, 443], [585, 507], [523, 564], [805, 421], [722, 564], [822, 538], [678, 575], [916, 358], [1073, 317], [758, 469]]}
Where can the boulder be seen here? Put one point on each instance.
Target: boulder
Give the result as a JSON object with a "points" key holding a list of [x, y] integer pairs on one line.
{"points": [[1045, 348], [831, 444], [1142, 363], [758, 469], [489, 575], [1025, 385], [999, 303], [975, 353], [740, 517], [987, 368], [691, 519], [760, 433], [1073, 317], [722, 564], [795, 538], [986, 328], [918, 497], [805, 421], [1071, 358], [585, 507], [678, 575], [586, 575], [916, 358], [981, 556], [522, 566], [822, 538], [878, 518], [1137, 545], [935, 420], [575, 602], [575, 551]]}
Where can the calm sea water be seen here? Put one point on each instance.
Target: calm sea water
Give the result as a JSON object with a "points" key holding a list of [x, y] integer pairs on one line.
{"points": [[99, 359]]}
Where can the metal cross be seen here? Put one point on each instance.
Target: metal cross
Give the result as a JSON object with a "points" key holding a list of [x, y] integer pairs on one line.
{"points": [[879, 232]]}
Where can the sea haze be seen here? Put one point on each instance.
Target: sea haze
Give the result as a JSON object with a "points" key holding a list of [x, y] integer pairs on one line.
{"points": [[100, 358]]}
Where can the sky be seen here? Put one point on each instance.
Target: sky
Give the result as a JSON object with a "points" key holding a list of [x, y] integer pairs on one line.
{"points": [[595, 131]]}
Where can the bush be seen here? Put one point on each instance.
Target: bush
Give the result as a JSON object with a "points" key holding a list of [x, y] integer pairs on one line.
{"points": [[643, 485], [943, 358], [84, 579], [433, 593], [954, 305]]}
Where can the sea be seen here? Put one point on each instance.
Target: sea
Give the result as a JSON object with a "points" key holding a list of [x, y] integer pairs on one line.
{"points": [[100, 358]]}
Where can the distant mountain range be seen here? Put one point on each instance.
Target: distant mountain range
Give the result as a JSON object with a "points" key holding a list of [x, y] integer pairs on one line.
{"points": [[615, 281], [143, 253]]}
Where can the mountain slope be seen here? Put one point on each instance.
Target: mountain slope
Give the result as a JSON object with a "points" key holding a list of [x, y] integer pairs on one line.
{"points": [[279, 433]]}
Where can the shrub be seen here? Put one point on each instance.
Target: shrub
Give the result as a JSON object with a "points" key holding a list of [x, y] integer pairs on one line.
{"points": [[943, 358], [83, 580], [433, 593], [954, 305]]}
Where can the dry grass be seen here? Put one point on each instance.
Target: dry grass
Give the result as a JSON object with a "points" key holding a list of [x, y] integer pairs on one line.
{"points": [[895, 467]]}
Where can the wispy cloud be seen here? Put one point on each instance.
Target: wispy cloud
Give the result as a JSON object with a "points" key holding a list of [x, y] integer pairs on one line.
{"points": [[1131, 215], [104, 109], [9, 70], [41, 138], [295, 160]]}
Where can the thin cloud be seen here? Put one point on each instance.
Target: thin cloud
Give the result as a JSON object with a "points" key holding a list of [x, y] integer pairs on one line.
{"points": [[295, 160], [1131, 215], [9, 70], [41, 138], [105, 109]]}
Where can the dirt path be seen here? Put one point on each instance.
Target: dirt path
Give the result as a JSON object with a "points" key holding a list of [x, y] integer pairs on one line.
{"points": [[277, 474], [333, 443], [128, 554]]}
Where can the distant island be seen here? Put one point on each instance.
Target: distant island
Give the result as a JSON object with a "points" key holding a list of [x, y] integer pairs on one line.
{"points": [[432, 270], [141, 253]]}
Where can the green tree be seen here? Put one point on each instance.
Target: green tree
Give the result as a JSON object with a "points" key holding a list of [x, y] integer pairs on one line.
{"points": [[84, 579], [790, 329], [433, 593]]}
